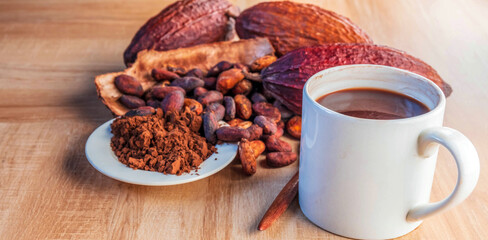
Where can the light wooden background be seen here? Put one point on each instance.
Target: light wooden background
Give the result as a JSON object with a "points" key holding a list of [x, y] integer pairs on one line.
{"points": [[50, 52]]}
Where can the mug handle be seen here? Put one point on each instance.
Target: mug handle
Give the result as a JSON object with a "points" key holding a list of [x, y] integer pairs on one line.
{"points": [[467, 162]]}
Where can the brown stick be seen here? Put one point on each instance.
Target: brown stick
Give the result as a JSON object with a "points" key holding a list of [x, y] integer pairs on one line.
{"points": [[280, 204]]}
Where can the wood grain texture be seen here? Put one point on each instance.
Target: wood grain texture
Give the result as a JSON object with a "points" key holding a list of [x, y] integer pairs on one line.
{"points": [[50, 52]]}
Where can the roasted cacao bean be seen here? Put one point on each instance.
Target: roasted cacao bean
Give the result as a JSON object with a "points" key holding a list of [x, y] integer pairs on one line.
{"points": [[141, 111], [267, 110], [262, 62], [268, 125], [188, 83], [173, 102], [217, 109], [161, 75], [243, 107], [210, 125], [280, 159], [232, 134], [132, 102], [243, 87], [294, 127], [211, 97], [228, 79], [230, 108], [193, 105], [248, 157], [274, 144], [128, 85], [160, 92]]}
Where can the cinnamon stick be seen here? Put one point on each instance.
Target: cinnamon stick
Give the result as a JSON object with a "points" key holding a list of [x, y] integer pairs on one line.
{"points": [[280, 204]]}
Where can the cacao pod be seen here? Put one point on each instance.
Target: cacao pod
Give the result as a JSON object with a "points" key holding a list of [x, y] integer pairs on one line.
{"points": [[290, 25], [184, 23], [285, 77]]}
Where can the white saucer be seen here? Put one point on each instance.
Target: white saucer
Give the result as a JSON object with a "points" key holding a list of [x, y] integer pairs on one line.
{"points": [[102, 158]]}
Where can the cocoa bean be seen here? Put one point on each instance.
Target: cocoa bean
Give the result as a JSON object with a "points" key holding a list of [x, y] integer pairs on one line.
{"points": [[193, 105], [255, 132], [267, 110], [268, 125], [262, 62], [234, 122], [218, 68], [285, 112], [248, 157], [228, 79], [131, 102], [274, 144], [243, 87], [182, 24], [210, 125], [128, 85], [294, 127], [141, 111], [279, 133], [232, 134], [210, 82], [230, 108], [173, 102], [280, 159], [243, 107], [258, 147], [188, 83], [160, 74], [244, 125], [217, 108], [160, 92], [196, 72], [211, 97], [199, 91], [258, 97], [153, 103]]}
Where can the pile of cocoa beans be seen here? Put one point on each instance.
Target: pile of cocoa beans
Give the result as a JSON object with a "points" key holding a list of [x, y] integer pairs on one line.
{"points": [[232, 103]]}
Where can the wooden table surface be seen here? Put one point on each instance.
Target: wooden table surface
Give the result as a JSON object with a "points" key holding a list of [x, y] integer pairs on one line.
{"points": [[50, 52]]}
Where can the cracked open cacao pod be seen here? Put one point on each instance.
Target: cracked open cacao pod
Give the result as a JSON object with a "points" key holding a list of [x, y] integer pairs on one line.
{"points": [[285, 78], [203, 56], [290, 25], [184, 23]]}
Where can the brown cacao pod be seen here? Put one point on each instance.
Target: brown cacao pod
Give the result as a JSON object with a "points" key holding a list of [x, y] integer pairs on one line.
{"points": [[290, 25], [182, 24], [285, 78]]}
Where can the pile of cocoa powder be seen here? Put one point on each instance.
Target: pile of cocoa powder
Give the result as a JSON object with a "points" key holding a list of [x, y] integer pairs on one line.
{"points": [[167, 143]]}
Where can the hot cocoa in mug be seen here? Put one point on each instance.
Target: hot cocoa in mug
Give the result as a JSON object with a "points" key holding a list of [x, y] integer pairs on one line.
{"points": [[370, 137]]}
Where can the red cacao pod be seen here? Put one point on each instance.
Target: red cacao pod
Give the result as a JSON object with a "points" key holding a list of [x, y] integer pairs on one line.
{"points": [[285, 78], [290, 25], [184, 23]]}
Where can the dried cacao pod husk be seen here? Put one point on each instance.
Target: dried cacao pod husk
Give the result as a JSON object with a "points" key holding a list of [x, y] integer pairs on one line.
{"points": [[285, 78], [290, 25], [203, 56], [184, 23]]}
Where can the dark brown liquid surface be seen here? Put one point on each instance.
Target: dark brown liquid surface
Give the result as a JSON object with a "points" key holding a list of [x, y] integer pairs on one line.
{"points": [[372, 104]]}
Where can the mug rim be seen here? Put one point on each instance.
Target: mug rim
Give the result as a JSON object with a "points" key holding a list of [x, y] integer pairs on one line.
{"points": [[438, 108]]}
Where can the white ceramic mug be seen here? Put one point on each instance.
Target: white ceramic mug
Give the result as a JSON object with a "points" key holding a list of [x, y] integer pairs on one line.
{"points": [[371, 179]]}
